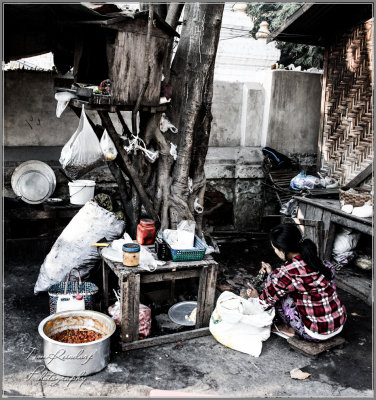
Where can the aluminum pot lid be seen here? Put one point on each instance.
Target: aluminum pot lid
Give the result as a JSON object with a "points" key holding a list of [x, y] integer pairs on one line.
{"points": [[33, 181]]}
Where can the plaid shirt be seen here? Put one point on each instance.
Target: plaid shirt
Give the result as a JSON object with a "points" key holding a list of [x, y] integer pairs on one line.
{"points": [[315, 297]]}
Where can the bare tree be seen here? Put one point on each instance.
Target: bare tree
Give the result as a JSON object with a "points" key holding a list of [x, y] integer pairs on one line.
{"points": [[169, 189]]}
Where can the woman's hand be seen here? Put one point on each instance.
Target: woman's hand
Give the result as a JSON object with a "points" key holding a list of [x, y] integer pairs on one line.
{"points": [[252, 292], [265, 267]]}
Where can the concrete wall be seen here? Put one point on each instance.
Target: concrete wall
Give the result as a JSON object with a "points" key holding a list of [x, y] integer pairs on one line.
{"points": [[294, 113], [30, 111], [237, 114], [280, 109]]}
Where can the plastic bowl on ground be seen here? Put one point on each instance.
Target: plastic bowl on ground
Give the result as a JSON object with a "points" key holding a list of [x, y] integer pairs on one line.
{"points": [[178, 312]]}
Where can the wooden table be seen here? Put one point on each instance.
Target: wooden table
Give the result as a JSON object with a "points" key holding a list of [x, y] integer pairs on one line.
{"points": [[330, 214], [320, 219], [130, 279]]}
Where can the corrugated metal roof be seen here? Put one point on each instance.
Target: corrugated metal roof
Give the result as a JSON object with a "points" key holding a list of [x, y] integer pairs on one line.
{"points": [[317, 24]]}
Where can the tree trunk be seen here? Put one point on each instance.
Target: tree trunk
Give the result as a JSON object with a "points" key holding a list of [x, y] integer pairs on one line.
{"points": [[192, 72], [162, 187]]}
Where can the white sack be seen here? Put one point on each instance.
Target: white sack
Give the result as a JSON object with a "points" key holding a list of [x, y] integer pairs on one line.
{"points": [[241, 324], [73, 248], [346, 240]]}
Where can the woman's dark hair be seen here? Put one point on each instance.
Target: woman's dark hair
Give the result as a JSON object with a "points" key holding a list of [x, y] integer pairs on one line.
{"points": [[288, 239]]}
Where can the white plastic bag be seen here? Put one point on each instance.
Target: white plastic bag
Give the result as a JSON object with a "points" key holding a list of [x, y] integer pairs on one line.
{"points": [[73, 248], [144, 317], [303, 181], [344, 245], [115, 253], [108, 147], [186, 234], [241, 324], [82, 152], [63, 99]]}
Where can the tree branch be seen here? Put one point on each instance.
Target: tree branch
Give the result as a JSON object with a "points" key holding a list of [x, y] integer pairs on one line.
{"points": [[131, 172]]}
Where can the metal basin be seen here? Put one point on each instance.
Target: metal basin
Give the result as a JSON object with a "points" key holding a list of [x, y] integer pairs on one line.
{"points": [[70, 359]]}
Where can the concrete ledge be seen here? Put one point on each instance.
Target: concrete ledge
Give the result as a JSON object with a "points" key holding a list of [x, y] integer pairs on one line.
{"points": [[234, 163]]}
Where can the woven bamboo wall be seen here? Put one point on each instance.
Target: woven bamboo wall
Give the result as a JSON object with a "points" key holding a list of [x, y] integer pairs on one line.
{"points": [[347, 136]]}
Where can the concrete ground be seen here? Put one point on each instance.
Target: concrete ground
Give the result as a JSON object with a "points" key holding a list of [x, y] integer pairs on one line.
{"points": [[198, 366]]}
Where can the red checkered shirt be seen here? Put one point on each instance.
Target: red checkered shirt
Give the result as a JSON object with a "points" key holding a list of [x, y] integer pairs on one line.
{"points": [[315, 297]]}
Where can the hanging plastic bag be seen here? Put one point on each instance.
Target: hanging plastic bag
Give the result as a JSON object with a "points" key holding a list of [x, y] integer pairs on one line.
{"points": [[82, 152], [63, 99], [108, 147]]}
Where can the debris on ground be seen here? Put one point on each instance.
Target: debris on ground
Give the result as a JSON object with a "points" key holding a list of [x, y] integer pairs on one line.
{"points": [[296, 373]]}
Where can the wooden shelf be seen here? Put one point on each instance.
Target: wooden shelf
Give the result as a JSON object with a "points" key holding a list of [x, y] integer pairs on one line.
{"points": [[116, 107]]}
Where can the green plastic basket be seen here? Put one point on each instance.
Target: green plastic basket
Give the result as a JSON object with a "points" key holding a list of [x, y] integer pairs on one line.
{"points": [[195, 254]]}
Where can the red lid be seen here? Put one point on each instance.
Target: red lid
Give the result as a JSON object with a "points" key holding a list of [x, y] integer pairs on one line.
{"points": [[147, 222]]}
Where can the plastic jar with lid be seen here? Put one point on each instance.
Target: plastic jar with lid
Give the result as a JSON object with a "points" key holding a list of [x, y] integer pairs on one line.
{"points": [[146, 231], [131, 254]]}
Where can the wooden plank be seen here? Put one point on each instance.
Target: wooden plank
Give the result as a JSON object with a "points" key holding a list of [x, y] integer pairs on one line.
{"points": [[310, 212], [105, 272], [120, 270], [326, 221], [201, 297], [314, 349], [302, 207], [334, 207], [168, 276], [160, 340], [328, 246], [30, 214], [135, 286], [322, 111], [359, 226], [210, 294], [289, 21], [126, 310], [361, 177]]}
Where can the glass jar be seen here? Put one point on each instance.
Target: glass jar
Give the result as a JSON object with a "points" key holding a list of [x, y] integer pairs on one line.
{"points": [[131, 254], [146, 231]]}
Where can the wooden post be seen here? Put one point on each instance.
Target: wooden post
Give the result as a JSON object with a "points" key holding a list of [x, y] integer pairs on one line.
{"points": [[210, 294], [201, 297], [322, 112], [330, 241], [129, 308]]}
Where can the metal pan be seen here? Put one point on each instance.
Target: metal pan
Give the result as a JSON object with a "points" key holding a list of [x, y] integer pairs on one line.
{"points": [[33, 181]]}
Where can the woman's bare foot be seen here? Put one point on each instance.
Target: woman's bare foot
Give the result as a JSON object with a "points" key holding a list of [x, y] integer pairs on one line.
{"points": [[285, 329]]}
